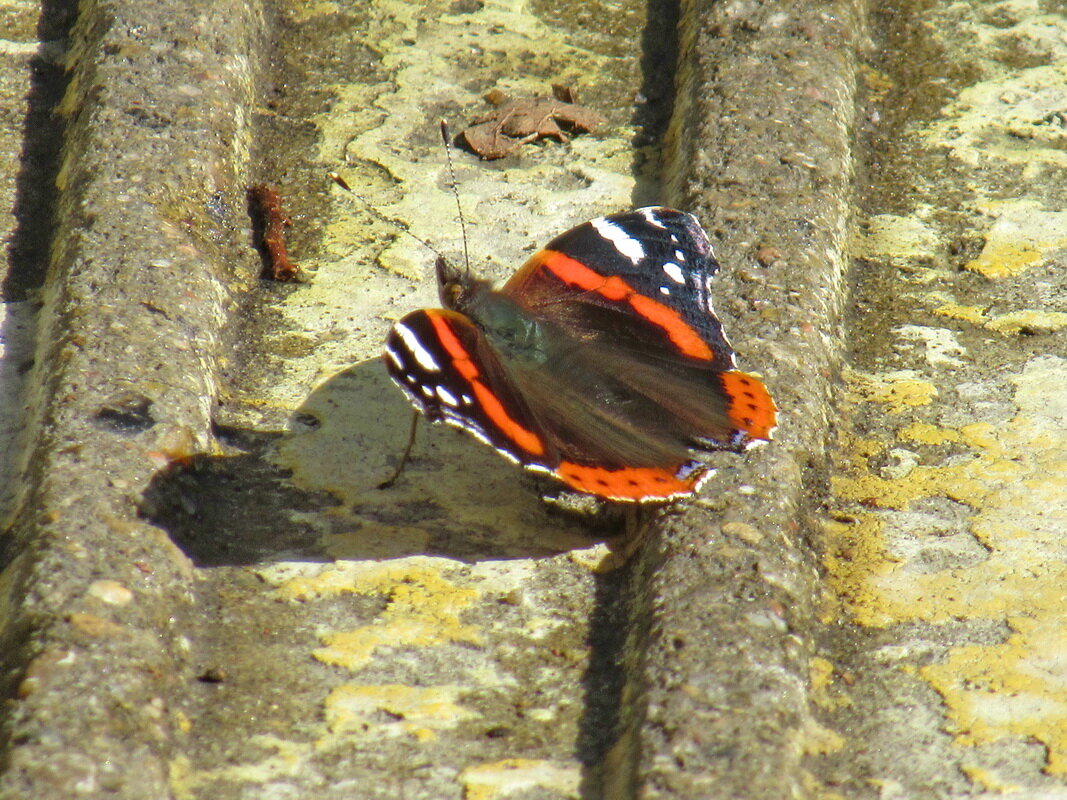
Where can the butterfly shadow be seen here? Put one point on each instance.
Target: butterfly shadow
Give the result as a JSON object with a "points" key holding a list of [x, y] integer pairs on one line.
{"points": [[311, 493]]}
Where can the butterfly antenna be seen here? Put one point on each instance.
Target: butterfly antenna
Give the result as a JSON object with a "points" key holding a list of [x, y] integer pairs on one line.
{"points": [[336, 178], [447, 139]]}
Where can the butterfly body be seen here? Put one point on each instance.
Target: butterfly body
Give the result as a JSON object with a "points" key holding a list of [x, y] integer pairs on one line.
{"points": [[600, 362]]}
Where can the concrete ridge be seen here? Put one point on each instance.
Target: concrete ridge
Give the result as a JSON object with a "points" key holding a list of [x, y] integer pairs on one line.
{"points": [[734, 615], [138, 290]]}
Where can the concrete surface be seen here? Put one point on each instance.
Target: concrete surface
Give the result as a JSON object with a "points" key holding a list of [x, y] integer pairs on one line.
{"points": [[204, 594]]}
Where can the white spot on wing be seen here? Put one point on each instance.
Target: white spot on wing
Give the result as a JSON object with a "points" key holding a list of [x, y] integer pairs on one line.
{"points": [[627, 245], [421, 354], [447, 397], [393, 357], [412, 395], [679, 256], [674, 272], [650, 216], [665, 290]]}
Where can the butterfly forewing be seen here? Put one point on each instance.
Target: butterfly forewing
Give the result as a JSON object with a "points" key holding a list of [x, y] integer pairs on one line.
{"points": [[653, 265], [637, 291], [449, 372]]}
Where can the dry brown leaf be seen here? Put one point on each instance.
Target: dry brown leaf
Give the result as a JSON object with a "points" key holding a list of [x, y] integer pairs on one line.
{"points": [[515, 122]]}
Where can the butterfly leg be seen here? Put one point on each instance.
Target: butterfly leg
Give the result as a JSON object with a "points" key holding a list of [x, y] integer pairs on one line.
{"points": [[404, 456]]}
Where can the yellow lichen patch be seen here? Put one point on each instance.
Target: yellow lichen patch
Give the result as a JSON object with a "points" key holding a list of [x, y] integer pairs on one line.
{"points": [[1016, 688], [818, 740], [182, 721], [394, 709], [423, 606], [983, 435], [423, 609], [1022, 236], [824, 692], [370, 578], [353, 650], [899, 390], [500, 779], [1003, 259], [855, 557], [962, 482], [888, 235], [997, 120], [956, 482], [925, 433], [966, 313], [1029, 321], [820, 673], [1016, 483]]}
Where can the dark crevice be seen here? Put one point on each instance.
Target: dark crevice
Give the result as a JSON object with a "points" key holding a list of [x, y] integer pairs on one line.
{"points": [[619, 625], [652, 114], [42, 140], [618, 640]]}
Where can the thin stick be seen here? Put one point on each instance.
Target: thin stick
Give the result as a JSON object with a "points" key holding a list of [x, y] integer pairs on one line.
{"points": [[404, 457]]}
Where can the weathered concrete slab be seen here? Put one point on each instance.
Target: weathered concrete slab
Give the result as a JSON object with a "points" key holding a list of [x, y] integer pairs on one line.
{"points": [[945, 546], [207, 596]]}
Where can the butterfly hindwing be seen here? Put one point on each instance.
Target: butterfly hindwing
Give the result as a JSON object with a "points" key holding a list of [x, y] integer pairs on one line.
{"points": [[450, 374]]}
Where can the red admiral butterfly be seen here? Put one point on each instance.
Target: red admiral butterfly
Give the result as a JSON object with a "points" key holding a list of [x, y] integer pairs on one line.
{"points": [[600, 362]]}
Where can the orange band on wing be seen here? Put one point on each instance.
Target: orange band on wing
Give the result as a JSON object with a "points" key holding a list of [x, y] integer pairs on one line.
{"points": [[615, 288], [751, 407], [488, 402], [630, 483]]}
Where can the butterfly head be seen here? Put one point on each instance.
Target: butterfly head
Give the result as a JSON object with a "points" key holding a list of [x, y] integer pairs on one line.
{"points": [[456, 286], [450, 283]]}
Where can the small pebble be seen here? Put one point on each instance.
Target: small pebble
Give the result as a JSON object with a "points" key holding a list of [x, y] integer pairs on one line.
{"points": [[767, 255], [111, 592]]}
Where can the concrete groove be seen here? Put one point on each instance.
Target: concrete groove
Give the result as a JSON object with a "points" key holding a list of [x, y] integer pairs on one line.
{"points": [[203, 596]]}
